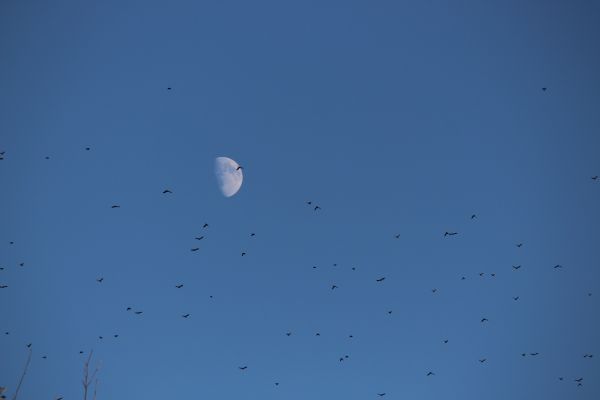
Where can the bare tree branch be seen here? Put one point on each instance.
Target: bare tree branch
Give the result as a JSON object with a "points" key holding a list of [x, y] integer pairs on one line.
{"points": [[87, 378], [22, 376]]}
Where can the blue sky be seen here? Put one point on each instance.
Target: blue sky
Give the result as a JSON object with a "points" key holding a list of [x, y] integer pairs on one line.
{"points": [[395, 117]]}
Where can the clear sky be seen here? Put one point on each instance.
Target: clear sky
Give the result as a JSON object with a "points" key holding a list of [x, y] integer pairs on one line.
{"points": [[395, 117]]}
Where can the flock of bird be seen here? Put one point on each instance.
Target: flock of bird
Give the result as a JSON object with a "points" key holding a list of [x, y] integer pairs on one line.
{"points": [[577, 380]]}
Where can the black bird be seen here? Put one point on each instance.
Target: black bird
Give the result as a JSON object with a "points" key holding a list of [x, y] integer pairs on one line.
{"points": [[430, 373], [100, 280], [128, 308], [7, 333], [168, 88], [21, 264], [29, 346], [560, 378], [115, 206], [115, 336], [1, 268], [309, 203], [138, 312], [473, 216], [578, 379], [341, 359], [276, 383], [252, 234], [445, 340], [243, 253], [100, 337], [333, 287], [523, 354], [484, 320], [288, 334], [397, 236], [353, 268], [588, 356], [380, 394], [179, 286], [3, 286], [483, 360], [533, 354], [463, 278], [516, 267], [450, 234], [389, 312], [47, 158], [243, 368], [80, 351], [87, 149], [205, 226], [380, 279], [481, 274], [317, 334], [167, 191], [195, 249], [519, 244], [44, 357], [433, 290], [516, 298], [239, 167], [314, 267], [544, 89], [493, 275], [595, 177], [557, 266], [199, 238], [317, 208], [185, 315], [350, 336]]}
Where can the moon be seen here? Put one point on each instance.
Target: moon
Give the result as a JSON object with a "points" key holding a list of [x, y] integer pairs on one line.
{"points": [[229, 177]]}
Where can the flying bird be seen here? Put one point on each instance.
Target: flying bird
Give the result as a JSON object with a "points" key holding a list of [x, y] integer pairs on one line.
{"points": [[333, 287], [168, 88], [430, 373], [179, 286], [450, 234], [578, 379], [128, 308], [243, 253], [595, 177], [588, 356], [389, 312], [3, 286], [558, 266], [483, 360], [167, 191], [243, 368], [199, 238], [397, 236], [519, 244], [252, 234], [205, 226], [115, 206], [380, 394], [484, 320], [516, 267], [239, 167], [288, 334], [195, 249], [533, 354], [100, 280], [433, 290], [544, 89], [185, 315], [380, 279], [473, 216], [138, 312], [317, 208], [445, 340], [516, 298]]}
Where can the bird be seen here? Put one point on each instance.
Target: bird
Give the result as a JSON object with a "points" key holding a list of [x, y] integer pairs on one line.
{"points": [[462, 278], [115, 206], [205, 226], [473, 216], [138, 312], [544, 89], [179, 286], [493, 275], [195, 249], [350, 336], [516, 267], [21, 264], [317, 334], [44, 357], [341, 359], [380, 279], [317, 208], [276, 383], [389, 312], [185, 315], [288, 333], [239, 167], [29, 345], [100, 337], [560, 378], [519, 244], [523, 354], [516, 298], [80, 351], [3, 286], [333, 287], [595, 177], [115, 336], [533, 354], [243, 368], [47, 158], [433, 290], [397, 236], [100, 280], [167, 191], [168, 88], [445, 340], [430, 373], [309, 203], [588, 356], [243, 253], [578, 379], [128, 308], [484, 320], [87, 149], [380, 394], [7, 333], [557, 266], [483, 360], [252, 234], [199, 238], [481, 274], [450, 234]]}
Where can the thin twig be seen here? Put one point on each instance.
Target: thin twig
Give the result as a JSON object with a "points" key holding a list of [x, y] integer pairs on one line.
{"points": [[22, 376]]}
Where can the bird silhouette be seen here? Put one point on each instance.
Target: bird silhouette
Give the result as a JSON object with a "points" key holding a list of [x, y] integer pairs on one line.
{"points": [[239, 167], [44, 357], [185, 315], [243, 368], [138, 312], [484, 320], [195, 249], [3, 286], [29, 345], [317, 208], [243, 253], [516, 298], [557, 266], [519, 244], [205, 226], [380, 394], [179, 286], [389, 312], [445, 340], [493, 275], [288, 334], [115, 206], [544, 89], [578, 379], [380, 279], [128, 308], [309, 203], [199, 238], [430, 373], [87, 149], [523, 354], [167, 191], [588, 356], [481, 274], [516, 267], [433, 290], [533, 354], [317, 334], [397, 236], [450, 234], [473, 216], [100, 280], [168, 88], [333, 287], [115, 336], [595, 177], [483, 360], [252, 234], [276, 383], [462, 278]]}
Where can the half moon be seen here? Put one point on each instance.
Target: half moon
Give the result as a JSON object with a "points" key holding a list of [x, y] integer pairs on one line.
{"points": [[229, 176]]}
